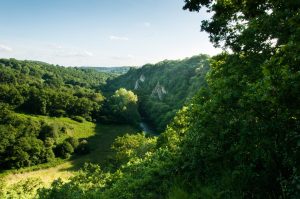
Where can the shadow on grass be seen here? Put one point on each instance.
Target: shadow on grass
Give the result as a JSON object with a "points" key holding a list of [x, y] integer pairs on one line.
{"points": [[100, 145]]}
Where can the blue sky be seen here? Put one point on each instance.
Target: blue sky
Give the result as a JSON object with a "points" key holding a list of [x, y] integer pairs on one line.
{"points": [[100, 32]]}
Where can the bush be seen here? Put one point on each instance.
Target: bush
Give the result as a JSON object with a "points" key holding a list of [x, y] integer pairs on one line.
{"points": [[89, 118], [73, 141], [49, 142], [131, 146], [63, 129], [64, 150], [59, 113], [49, 155], [78, 119], [83, 148], [48, 131]]}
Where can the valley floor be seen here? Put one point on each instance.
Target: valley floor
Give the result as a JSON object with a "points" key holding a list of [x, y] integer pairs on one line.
{"points": [[100, 138]]}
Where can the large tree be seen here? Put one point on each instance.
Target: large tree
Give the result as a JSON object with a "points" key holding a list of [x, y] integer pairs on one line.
{"points": [[245, 126], [249, 25], [123, 105]]}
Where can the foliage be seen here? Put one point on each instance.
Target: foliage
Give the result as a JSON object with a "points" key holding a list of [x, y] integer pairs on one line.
{"points": [[78, 119], [30, 140], [73, 141], [239, 136], [163, 88], [64, 150], [93, 182], [82, 148], [132, 146], [122, 107], [40, 88], [23, 190], [243, 131]]}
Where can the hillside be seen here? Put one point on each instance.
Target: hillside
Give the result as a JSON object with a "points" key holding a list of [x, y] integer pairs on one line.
{"points": [[238, 137], [40, 88], [116, 70], [99, 136], [49, 121], [31, 90], [163, 88]]}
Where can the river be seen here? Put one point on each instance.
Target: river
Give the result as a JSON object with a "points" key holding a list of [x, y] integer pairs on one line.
{"points": [[147, 129]]}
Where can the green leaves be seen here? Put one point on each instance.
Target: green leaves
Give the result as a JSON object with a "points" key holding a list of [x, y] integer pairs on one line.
{"points": [[123, 106], [163, 88], [133, 146], [245, 25]]}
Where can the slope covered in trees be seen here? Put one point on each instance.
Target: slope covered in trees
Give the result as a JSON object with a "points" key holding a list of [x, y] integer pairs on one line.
{"points": [[38, 88], [163, 88], [239, 137]]}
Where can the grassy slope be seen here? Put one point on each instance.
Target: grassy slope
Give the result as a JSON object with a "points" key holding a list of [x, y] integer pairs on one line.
{"points": [[99, 136], [74, 129]]}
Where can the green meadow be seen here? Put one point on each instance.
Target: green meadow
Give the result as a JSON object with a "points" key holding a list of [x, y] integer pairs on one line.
{"points": [[99, 136]]}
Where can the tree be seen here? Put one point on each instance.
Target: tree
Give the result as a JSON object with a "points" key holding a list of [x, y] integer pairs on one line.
{"points": [[64, 150], [49, 131], [132, 146], [123, 105], [83, 147], [26, 151], [73, 141], [245, 121], [251, 26]]}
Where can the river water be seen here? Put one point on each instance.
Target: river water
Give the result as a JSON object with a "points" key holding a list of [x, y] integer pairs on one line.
{"points": [[147, 129]]}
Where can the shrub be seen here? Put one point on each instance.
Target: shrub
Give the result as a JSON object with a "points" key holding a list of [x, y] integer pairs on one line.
{"points": [[130, 146], [49, 142], [83, 148], [88, 118], [64, 150], [73, 141], [49, 155], [49, 131], [78, 119], [59, 113]]}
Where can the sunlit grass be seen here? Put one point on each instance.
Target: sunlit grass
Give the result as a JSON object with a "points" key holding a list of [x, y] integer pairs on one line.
{"points": [[99, 136]]}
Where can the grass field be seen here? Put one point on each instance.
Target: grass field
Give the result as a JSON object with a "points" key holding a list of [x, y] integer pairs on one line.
{"points": [[99, 136]]}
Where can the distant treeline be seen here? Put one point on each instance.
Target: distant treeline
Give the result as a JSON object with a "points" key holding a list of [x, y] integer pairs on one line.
{"points": [[118, 70]]}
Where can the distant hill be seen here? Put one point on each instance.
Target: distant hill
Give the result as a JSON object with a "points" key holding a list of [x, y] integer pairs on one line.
{"points": [[163, 88], [41, 88], [118, 70]]}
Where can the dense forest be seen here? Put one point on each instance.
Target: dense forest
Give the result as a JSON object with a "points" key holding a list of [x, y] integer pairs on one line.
{"points": [[236, 134], [38, 88]]}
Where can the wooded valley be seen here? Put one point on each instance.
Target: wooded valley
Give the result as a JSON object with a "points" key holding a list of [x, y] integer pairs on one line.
{"points": [[226, 126]]}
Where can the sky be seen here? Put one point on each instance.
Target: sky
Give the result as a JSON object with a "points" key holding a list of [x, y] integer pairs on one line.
{"points": [[101, 32]]}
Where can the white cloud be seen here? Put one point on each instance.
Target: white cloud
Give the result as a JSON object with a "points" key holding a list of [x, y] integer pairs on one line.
{"points": [[62, 51], [55, 46], [5, 48], [147, 24], [73, 53], [78, 54], [123, 58], [117, 38], [131, 56], [88, 53]]}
